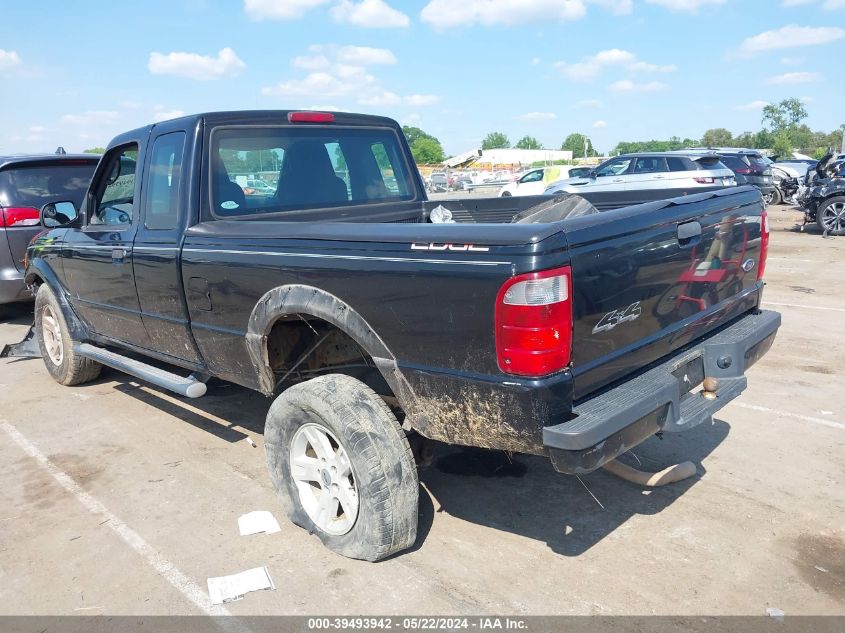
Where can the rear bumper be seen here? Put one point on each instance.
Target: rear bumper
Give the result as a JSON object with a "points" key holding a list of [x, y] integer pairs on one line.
{"points": [[12, 285], [619, 418]]}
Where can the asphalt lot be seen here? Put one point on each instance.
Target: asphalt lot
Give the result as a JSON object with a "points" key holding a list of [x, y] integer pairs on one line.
{"points": [[119, 498]]}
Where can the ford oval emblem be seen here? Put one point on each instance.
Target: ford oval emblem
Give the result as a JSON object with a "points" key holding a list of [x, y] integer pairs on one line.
{"points": [[748, 264]]}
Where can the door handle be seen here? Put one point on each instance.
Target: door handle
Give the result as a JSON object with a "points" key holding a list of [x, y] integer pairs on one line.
{"points": [[118, 254], [619, 180], [689, 234], [659, 177]]}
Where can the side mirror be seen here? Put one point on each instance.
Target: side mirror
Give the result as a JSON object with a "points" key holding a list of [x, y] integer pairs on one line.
{"points": [[56, 214], [593, 174]]}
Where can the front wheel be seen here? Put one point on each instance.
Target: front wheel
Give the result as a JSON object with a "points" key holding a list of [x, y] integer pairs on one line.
{"points": [[342, 467], [776, 197], [56, 345], [768, 198], [831, 216]]}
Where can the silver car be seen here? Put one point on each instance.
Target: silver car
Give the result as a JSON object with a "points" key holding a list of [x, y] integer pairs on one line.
{"points": [[647, 176]]}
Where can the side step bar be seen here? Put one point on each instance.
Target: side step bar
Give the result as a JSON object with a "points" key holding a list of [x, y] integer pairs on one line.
{"points": [[190, 386]]}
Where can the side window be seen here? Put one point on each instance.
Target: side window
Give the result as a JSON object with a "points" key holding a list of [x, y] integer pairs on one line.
{"points": [[614, 167], [115, 197], [161, 210], [534, 176], [339, 164], [649, 165], [394, 186], [678, 164]]}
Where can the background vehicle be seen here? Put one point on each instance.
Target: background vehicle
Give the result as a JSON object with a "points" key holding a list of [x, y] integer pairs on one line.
{"points": [[522, 326], [786, 185], [643, 177], [534, 181], [822, 195], [257, 187], [438, 181], [26, 184], [749, 166]]}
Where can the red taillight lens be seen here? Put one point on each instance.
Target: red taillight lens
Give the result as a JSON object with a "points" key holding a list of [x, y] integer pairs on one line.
{"points": [[19, 216], [764, 244], [705, 181], [534, 323], [744, 171], [310, 117]]}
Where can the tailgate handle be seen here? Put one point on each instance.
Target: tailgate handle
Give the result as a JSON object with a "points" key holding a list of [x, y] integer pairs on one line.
{"points": [[689, 233]]}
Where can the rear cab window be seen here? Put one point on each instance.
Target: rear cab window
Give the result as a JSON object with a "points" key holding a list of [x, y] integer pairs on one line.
{"points": [[259, 170]]}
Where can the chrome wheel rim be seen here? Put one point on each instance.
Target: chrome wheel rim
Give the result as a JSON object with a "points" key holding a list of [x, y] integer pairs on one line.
{"points": [[51, 334], [833, 216], [323, 475]]}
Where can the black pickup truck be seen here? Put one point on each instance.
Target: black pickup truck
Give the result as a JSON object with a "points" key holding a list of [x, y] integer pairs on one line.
{"points": [[330, 289]]}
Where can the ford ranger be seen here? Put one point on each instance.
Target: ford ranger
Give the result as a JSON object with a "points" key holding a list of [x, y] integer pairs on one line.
{"points": [[525, 324]]}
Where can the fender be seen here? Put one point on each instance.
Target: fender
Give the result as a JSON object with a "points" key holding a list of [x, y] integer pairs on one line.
{"points": [[37, 271], [308, 300]]}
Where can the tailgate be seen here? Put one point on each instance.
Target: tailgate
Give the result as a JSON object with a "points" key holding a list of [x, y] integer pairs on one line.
{"points": [[651, 278]]}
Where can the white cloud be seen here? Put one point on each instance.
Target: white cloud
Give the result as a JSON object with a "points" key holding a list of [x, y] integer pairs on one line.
{"points": [[599, 124], [792, 61], [616, 7], [535, 61], [9, 59], [537, 116], [166, 115], [444, 14], [592, 66], [794, 78], [327, 108], [195, 66], [807, 99], [792, 36], [831, 5], [685, 6], [279, 9], [37, 129], [341, 72], [365, 56], [753, 105], [91, 118], [370, 14], [627, 86]]}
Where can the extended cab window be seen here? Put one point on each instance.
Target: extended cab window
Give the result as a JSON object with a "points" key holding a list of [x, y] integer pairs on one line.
{"points": [[162, 201], [275, 169], [115, 196]]}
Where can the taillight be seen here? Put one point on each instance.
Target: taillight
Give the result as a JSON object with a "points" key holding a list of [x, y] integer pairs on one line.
{"points": [[534, 323], [764, 244], [702, 180], [19, 216], [743, 170], [310, 117]]}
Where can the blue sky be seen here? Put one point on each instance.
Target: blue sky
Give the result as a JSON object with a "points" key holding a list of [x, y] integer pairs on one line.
{"points": [[612, 69]]}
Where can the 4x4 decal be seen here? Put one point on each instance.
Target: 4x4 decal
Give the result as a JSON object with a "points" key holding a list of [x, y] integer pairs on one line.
{"points": [[615, 317]]}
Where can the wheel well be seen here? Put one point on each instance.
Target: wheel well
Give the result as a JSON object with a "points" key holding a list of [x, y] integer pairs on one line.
{"points": [[299, 347]]}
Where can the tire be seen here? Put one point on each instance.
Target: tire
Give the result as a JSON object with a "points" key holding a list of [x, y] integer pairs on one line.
{"points": [[506, 194], [378, 466], [768, 198], [66, 367], [830, 215], [777, 197]]}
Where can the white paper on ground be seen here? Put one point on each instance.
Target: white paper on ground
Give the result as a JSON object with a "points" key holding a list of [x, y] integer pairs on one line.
{"points": [[258, 521], [231, 588]]}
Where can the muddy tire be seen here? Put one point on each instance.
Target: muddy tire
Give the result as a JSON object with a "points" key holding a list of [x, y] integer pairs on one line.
{"points": [[342, 467], [831, 215], [56, 344]]}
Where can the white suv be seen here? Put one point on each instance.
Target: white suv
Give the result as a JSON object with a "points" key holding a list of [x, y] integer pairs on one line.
{"points": [[643, 177]]}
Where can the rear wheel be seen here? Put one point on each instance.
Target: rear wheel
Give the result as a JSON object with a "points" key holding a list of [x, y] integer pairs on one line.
{"points": [[56, 345], [506, 194], [342, 467], [777, 197], [768, 198], [831, 216]]}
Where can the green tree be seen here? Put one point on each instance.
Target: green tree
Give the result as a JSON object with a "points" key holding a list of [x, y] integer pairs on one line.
{"points": [[528, 142], [425, 148], [496, 140], [785, 115], [576, 143], [427, 151], [717, 137], [782, 145], [94, 150]]}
